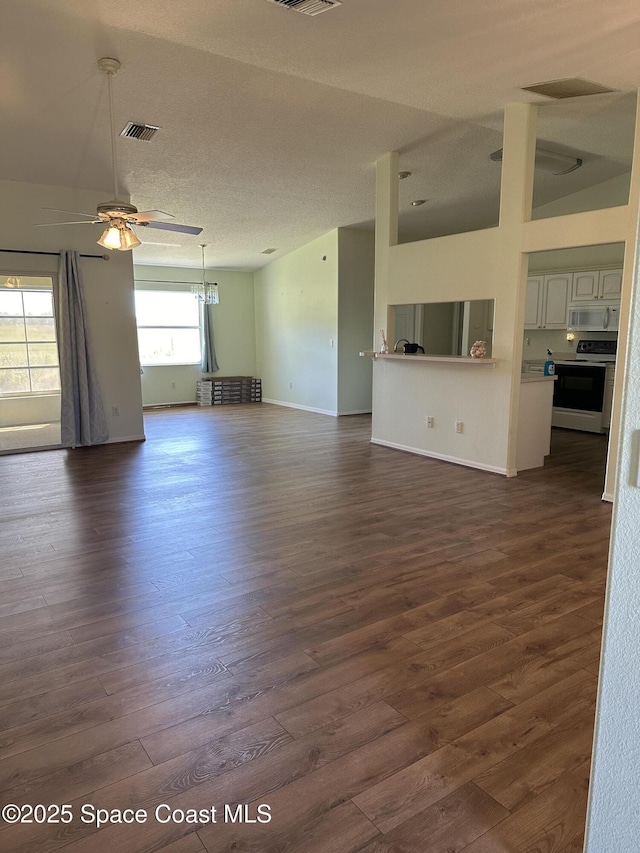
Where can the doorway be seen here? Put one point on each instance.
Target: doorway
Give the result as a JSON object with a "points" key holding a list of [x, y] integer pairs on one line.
{"points": [[29, 368], [588, 277]]}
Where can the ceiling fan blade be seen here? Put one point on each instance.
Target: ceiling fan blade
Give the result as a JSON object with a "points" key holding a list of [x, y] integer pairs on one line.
{"points": [[170, 245], [173, 226], [75, 212], [54, 224], [152, 216]]}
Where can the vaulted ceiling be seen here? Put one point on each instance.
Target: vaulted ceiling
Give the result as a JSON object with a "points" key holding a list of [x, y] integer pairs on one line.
{"points": [[271, 121]]}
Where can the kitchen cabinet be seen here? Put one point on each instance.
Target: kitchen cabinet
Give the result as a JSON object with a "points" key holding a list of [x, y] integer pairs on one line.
{"points": [[547, 301], [533, 437], [535, 366], [610, 285], [589, 285]]}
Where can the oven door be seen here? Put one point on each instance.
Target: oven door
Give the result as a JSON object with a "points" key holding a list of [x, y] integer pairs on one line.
{"points": [[579, 387]]}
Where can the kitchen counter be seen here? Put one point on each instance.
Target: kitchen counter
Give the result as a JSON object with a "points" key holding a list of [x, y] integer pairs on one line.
{"points": [[533, 440], [419, 357], [536, 377]]}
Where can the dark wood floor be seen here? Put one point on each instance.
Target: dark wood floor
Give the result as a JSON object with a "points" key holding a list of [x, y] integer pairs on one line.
{"points": [[257, 606]]}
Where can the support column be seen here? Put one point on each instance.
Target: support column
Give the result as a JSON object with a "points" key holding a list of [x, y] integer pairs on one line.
{"points": [[516, 194], [386, 235]]}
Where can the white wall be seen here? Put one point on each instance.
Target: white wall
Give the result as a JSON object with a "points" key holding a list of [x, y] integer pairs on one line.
{"points": [[296, 300], [108, 288], [356, 271], [35, 409], [605, 194], [614, 818], [453, 268], [233, 327], [580, 257]]}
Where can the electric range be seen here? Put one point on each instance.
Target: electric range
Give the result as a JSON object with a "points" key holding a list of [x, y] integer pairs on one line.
{"points": [[583, 391]]}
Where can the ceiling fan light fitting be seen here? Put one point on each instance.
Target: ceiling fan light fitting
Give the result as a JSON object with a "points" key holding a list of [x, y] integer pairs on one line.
{"points": [[119, 237], [548, 161]]}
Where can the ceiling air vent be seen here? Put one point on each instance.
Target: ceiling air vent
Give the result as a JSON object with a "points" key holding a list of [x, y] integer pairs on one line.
{"points": [[268, 251], [143, 132], [308, 7], [570, 87]]}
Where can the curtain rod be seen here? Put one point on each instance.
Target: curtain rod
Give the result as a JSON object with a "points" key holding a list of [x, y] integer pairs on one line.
{"points": [[30, 252], [168, 281]]}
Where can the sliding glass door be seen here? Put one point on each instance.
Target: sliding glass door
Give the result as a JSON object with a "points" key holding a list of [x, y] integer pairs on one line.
{"points": [[29, 374]]}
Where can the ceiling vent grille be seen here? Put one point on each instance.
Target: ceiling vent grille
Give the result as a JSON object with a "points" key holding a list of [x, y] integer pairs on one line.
{"points": [[143, 132], [570, 87], [308, 7], [268, 251]]}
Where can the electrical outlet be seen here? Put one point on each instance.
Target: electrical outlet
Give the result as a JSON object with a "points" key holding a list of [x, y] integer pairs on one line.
{"points": [[115, 411], [528, 342], [429, 423], [459, 426], [332, 342]]}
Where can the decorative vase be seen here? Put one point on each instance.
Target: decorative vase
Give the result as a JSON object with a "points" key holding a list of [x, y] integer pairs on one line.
{"points": [[479, 349], [384, 346]]}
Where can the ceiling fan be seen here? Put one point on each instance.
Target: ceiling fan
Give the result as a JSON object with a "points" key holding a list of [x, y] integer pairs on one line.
{"points": [[120, 216]]}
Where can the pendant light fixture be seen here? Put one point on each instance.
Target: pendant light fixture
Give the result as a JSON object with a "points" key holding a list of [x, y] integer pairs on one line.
{"points": [[207, 293]]}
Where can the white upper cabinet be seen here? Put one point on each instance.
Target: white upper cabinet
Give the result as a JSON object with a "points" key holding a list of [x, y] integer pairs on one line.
{"points": [[533, 304], [547, 301], [590, 285], [585, 286], [610, 285], [556, 303]]}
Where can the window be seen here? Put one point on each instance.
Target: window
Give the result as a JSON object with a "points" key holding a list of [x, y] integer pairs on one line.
{"points": [[168, 327], [28, 349]]}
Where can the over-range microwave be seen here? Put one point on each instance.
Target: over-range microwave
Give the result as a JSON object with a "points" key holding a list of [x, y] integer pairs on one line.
{"points": [[593, 317]]}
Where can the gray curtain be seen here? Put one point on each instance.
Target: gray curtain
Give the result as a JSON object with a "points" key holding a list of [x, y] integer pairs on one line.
{"points": [[209, 360], [82, 418]]}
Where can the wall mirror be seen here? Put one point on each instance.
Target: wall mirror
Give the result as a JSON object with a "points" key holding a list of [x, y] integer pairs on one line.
{"points": [[443, 328]]}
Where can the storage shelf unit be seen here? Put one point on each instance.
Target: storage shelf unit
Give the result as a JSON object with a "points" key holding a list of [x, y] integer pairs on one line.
{"points": [[226, 390]]}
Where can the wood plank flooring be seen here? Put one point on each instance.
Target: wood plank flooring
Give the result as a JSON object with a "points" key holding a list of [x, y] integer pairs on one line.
{"points": [[257, 606]]}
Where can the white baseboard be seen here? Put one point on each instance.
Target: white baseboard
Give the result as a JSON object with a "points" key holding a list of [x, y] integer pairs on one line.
{"points": [[355, 412], [303, 408], [607, 496], [126, 438], [468, 463], [149, 406]]}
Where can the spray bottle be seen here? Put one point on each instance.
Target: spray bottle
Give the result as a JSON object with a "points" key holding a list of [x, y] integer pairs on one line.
{"points": [[549, 365]]}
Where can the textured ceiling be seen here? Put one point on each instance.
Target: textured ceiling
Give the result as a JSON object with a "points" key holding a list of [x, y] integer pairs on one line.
{"points": [[271, 121]]}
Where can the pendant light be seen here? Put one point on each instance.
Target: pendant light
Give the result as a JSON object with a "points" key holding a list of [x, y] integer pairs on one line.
{"points": [[207, 293]]}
